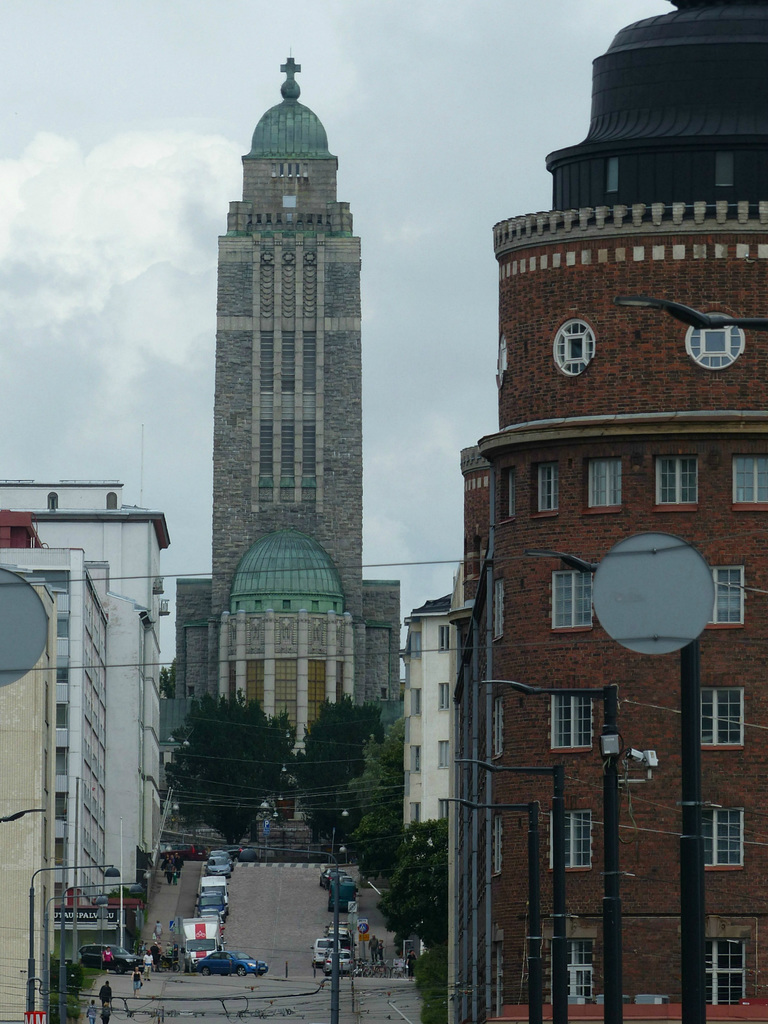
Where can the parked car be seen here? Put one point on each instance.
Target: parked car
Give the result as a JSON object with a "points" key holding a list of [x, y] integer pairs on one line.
{"points": [[231, 961], [219, 864], [346, 963], [320, 950], [211, 903], [122, 962]]}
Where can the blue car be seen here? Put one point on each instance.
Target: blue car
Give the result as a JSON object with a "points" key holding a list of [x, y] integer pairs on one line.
{"points": [[231, 961]]}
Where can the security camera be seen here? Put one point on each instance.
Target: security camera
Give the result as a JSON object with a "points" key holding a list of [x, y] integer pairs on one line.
{"points": [[637, 755]]}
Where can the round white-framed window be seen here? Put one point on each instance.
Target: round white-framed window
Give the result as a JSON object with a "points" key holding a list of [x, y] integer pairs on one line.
{"points": [[574, 347], [714, 348]]}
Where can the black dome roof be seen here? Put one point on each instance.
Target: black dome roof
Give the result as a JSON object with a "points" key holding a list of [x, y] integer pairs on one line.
{"points": [[695, 78]]}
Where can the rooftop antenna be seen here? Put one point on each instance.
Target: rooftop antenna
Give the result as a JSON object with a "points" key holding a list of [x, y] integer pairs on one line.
{"points": [[141, 470]]}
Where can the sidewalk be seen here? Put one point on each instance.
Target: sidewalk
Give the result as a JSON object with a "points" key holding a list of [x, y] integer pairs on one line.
{"points": [[167, 902]]}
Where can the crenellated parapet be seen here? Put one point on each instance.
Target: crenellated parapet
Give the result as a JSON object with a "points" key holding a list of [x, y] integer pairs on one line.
{"points": [[658, 218]]}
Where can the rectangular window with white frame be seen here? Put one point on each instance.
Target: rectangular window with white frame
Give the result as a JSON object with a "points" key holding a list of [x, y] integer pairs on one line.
{"points": [[729, 594], [676, 480], [578, 839], [723, 830], [604, 483], [443, 754], [725, 968], [750, 479], [443, 696], [415, 811], [571, 599], [548, 486], [415, 700], [571, 721], [415, 759], [443, 807], [498, 835], [414, 643], [511, 495], [498, 726], [580, 969], [498, 608], [443, 638], [722, 716]]}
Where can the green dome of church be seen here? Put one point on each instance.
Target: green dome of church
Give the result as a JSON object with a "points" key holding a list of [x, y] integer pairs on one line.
{"points": [[286, 571], [290, 130]]}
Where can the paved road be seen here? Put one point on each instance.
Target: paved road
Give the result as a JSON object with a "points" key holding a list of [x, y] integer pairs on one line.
{"points": [[276, 913]]}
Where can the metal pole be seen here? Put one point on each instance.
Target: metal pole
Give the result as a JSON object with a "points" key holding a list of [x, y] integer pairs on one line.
{"points": [[535, 991], [692, 941], [335, 951], [31, 952], [559, 940], [46, 986], [63, 942], [614, 1003]]}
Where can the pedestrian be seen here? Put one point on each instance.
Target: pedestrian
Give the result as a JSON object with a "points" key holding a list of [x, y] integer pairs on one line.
{"points": [[105, 994], [178, 862], [147, 965], [410, 960], [107, 958], [374, 948], [154, 950], [381, 950], [158, 931], [136, 979], [105, 1014], [91, 1013], [168, 872]]}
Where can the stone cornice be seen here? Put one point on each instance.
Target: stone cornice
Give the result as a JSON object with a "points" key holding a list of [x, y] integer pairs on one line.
{"points": [[626, 426]]}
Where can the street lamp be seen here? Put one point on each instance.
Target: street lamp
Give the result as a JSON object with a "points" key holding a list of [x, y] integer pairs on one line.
{"points": [[559, 941], [692, 317], [535, 987], [110, 872], [610, 749], [20, 814]]}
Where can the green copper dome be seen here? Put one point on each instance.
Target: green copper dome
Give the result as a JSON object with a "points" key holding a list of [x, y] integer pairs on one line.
{"points": [[289, 130], [286, 571]]}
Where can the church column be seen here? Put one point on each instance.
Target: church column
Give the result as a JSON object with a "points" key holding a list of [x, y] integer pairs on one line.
{"points": [[302, 673], [349, 656], [240, 650], [331, 657], [269, 663], [224, 655]]}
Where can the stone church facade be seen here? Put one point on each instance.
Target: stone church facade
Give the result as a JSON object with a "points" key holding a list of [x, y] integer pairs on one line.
{"points": [[287, 617]]}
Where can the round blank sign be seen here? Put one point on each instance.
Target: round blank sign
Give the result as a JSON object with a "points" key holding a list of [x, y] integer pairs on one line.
{"points": [[653, 593], [23, 627]]}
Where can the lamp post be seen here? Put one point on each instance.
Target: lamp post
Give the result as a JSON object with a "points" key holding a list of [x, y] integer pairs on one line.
{"points": [[559, 941], [692, 317], [610, 749], [110, 872], [535, 987]]}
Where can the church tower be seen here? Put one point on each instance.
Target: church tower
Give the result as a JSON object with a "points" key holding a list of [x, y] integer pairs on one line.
{"points": [[287, 616]]}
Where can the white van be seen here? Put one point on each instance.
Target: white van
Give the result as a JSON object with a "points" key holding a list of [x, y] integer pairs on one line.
{"points": [[320, 950], [214, 883]]}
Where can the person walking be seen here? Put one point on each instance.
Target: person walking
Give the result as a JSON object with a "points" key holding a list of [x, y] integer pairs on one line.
{"points": [[147, 965], [158, 931], [91, 1013], [107, 958], [374, 944], [410, 960], [105, 994], [154, 950], [136, 979]]}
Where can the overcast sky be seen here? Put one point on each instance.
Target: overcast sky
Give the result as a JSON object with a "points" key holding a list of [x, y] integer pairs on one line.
{"points": [[122, 125]]}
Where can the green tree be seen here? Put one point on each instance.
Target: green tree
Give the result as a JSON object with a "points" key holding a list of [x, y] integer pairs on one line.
{"points": [[167, 683], [431, 972], [230, 761], [417, 898], [334, 755], [380, 788]]}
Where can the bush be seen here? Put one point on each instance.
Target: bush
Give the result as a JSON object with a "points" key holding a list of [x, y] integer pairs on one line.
{"points": [[431, 972]]}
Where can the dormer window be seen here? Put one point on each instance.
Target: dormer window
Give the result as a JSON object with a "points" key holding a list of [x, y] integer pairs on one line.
{"points": [[53, 501], [723, 170]]}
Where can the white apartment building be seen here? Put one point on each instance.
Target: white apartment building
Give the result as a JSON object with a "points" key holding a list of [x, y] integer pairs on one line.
{"points": [[428, 690], [103, 560]]}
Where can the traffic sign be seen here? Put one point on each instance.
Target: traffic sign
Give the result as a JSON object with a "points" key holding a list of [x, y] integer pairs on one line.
{"points": [[266, 826], [35, 1017], [352, 907], [362, 925]]}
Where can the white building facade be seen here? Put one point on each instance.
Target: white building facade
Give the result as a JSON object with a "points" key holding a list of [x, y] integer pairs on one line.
{"points": [[103, 561], [429, 662]]}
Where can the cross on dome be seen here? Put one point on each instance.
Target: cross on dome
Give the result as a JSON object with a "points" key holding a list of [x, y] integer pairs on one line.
{"points": [[290, 90]]}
